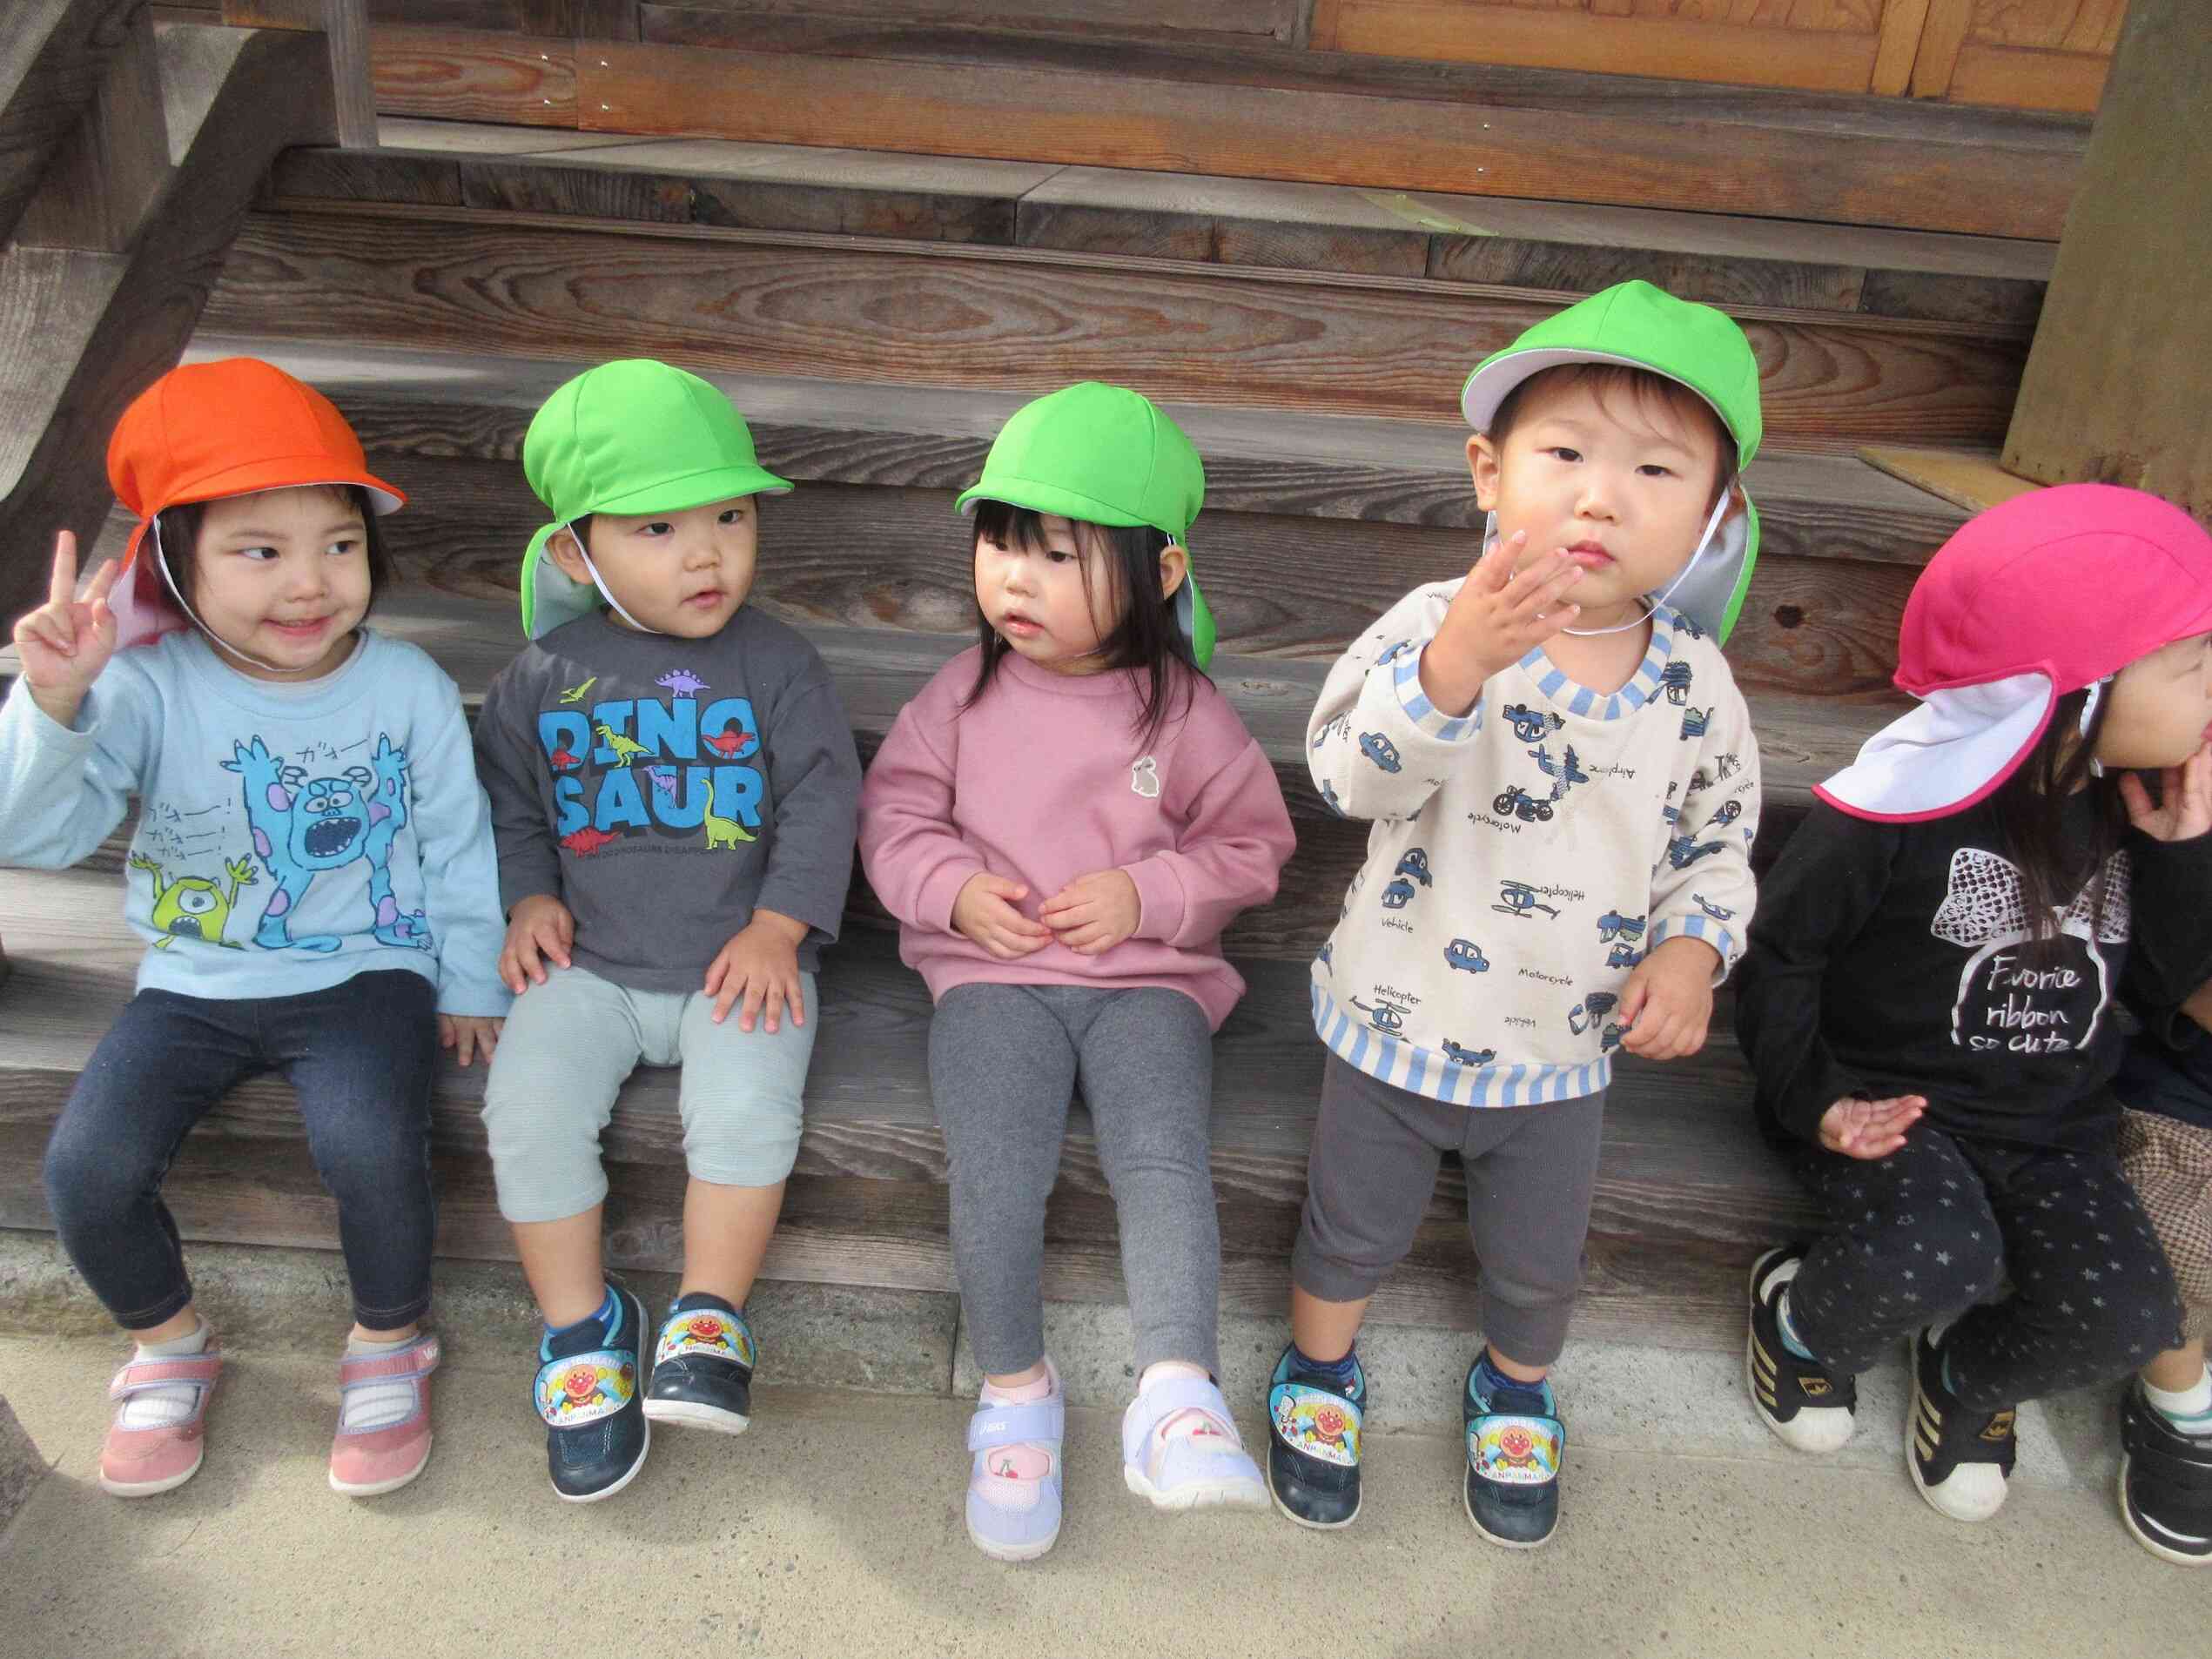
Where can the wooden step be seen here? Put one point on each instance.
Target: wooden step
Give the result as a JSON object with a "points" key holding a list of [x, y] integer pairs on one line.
{"points": [[1687, 1194], [1547, 246], [1261, 111]]}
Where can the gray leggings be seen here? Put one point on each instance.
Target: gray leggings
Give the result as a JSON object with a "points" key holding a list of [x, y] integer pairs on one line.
{"points": [[1004, 1060]]}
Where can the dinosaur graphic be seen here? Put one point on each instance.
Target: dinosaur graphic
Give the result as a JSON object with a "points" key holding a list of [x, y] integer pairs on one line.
{"points": [[576, 694], [723, 832], [663, 779], [682, 681], [584, 843], [626, 749], [728, 744]]}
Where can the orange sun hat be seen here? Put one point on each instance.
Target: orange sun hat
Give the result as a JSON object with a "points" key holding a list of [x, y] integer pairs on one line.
{"points": [[205, 430]]}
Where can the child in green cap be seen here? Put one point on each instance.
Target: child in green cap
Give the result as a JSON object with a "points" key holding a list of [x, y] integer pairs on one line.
{"points": [[1063, 821], [673, 785], [1563, 786]]}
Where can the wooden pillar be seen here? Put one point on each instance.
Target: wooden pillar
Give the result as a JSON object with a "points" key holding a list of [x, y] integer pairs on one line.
{"points": [[345, 23], [2117, 384]]}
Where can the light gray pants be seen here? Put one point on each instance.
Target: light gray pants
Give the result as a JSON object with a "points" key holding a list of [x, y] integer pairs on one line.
{"points": [[1530, 1173], [1004, 1060]]}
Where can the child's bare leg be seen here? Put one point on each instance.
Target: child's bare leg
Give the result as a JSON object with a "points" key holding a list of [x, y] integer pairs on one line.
{"points": [[1324, 1330], [2177, 1369], [561, 1260], [726, 1229]]}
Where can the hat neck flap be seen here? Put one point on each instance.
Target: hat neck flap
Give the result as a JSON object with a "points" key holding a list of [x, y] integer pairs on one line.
{"points": [[1952, 752]]}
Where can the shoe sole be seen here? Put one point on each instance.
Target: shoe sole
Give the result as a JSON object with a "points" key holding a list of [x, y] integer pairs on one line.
{"points": [[1488, 1536], [1913, 1463], [2164, 1552], [377, 1488], [152, 1489], [609, 1490], [1775, 1426], [1268, 1473], [1012, 1552], [1198, 1495], [690, 1414]]}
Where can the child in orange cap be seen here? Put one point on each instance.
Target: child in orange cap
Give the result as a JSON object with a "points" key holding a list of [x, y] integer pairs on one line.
{"points": [[318, 893]]}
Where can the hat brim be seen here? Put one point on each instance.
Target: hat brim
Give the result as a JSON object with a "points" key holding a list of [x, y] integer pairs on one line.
{"points": [[1951, 753], [258, 476], [1495, 378]]}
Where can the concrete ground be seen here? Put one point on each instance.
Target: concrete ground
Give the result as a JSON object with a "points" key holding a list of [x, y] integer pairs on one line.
{"points": [[834, 1528]]}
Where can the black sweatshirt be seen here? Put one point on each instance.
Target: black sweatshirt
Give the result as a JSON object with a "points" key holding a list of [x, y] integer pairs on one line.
{"points": [[1885, 960]]}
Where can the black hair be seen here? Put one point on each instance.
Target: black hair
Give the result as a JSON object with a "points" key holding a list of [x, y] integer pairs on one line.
{"points": [[1148, 638], [179, 528], [1648, 387], [2031, 808]]}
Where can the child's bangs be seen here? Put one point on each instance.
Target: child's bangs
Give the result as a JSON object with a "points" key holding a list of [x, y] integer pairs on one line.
{"points": [[1005, 525]]}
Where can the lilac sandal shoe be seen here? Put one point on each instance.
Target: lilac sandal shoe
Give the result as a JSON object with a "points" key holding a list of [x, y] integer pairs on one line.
{"points": [[1016, 1517], [139, 1462]]}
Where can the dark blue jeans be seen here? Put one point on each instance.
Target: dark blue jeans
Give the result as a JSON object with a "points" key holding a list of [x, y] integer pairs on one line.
{"points": [[361, 1055]]}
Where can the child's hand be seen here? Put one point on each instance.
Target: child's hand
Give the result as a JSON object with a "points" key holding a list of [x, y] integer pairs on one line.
{"points": [[761, 964], [469, 1035], [540, 926], [66, 642], [984, 912], [1669, 999], [1093, 913], [2184, 808], [1870, 1129], [2199, 1006], [1496, 619]]}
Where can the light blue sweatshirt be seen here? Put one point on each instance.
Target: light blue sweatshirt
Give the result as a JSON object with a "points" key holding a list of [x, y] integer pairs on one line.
{"points": [[290, 835]]}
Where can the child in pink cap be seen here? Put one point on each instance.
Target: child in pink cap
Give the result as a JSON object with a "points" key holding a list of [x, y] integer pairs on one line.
{"points": [[1931, 999]]}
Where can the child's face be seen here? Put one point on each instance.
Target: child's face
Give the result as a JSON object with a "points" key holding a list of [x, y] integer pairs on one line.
{"points": [[1617, 482], [1039, 601], [2159, 711], [283, 576], [683, 573]]}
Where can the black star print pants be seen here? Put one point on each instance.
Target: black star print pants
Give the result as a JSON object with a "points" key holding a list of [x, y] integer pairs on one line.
{"points": [[1940, 1226]]}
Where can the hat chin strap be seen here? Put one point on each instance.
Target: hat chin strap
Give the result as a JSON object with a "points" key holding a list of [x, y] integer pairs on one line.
{"points": [[600, 582], [161, 561], [1651, 608]]}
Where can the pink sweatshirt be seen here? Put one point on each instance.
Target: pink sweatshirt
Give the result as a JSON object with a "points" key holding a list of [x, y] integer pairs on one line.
{"points": [[1047, 778]]}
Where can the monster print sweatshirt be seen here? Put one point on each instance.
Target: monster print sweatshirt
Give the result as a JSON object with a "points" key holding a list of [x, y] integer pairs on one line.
{"points": [[1045, 777], [1894, 958], [664, 789], [290, 835], [1524, 856]]}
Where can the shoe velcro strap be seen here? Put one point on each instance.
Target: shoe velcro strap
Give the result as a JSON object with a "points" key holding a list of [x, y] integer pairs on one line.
{"points": [[419, 1358], [1163, 1399], [1315, 1423], [708, 1334], [199, 1370], [1516, 1450], [1011, 1425], [2152, 1441], [585, 1388]]}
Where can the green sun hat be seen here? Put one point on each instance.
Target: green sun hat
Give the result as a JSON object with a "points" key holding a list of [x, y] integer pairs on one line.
{"points": [[1106, 456], [1646, 327], [628, 437]]}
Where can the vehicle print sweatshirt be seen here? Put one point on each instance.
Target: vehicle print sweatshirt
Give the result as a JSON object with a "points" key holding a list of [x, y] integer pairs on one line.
{"points": [[1524, 856], [1046, 777], [289, 836]]}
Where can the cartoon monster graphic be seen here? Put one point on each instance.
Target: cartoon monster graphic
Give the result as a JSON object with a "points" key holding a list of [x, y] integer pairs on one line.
{"points": [[1532, 725], [626, 749], [682, 683], [191, 907], [584, 843], [577, 694], [723, 832], [1514, 1448], [304, 826]]}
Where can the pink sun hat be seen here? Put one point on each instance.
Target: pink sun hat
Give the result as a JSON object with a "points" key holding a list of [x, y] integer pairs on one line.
{"points": [[2039, 596]]}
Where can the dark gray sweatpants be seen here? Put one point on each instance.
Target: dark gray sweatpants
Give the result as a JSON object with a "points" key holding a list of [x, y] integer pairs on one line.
{"points": [[1530, 1171], [1004, 1060]]}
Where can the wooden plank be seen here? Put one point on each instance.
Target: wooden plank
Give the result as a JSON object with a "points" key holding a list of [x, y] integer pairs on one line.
{"points": [[464, 75], [2114, 392], [1971, 482], [727, 22], [1257, 113], [1014, 318], [1838, 55], [53, 61], [1903, 22], [231, 108], [2017, 79], [104, 177], [1948, 22], [2052, 25], [1993, 301]]}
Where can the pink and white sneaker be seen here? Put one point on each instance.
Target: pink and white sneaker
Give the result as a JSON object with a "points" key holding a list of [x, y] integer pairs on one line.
{"points": [[365, 1463], [139, 1462]]}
